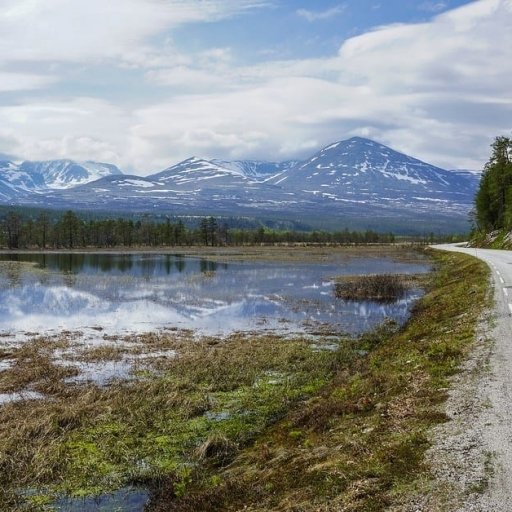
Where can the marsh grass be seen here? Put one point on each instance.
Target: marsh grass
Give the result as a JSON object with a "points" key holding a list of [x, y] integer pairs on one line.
{"points": [[198, 409], [358, 443], [377, 287], [249, 422]]}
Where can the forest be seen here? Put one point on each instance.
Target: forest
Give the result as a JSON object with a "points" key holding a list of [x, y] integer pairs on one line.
{"points": [[68, 230], [493, 204]]}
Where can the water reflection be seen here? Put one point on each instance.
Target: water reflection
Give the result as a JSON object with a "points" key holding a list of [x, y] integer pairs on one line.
{"points": [[137, 293], [127, 500]]}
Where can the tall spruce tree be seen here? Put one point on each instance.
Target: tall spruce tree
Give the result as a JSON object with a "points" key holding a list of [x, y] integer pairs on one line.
{"points": [[494, 197]]}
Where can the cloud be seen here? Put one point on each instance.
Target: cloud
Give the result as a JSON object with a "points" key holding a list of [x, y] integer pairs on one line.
{"points": [[433, 6], [451, 75], [438, 90], [321, 15], [64, 31], [11, 81], [81, 128]]}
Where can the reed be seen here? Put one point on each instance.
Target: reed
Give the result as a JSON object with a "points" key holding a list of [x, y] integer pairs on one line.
{"points": [[378, 287]]}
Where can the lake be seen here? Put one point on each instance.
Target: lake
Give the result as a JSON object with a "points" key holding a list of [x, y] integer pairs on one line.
{"points": [[100, 295]]}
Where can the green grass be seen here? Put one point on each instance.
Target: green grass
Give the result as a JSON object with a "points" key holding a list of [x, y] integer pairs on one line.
{"points": [[88, 440], [257, 422], [358, 445]]}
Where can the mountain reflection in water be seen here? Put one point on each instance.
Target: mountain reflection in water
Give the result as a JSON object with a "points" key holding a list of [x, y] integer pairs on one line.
{"points": [[125, 293]]}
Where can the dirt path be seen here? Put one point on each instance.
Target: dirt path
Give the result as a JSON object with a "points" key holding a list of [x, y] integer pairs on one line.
{"points": [[472, 453]]}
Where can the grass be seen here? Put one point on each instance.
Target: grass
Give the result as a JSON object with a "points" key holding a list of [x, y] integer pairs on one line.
{"points": [[358, 445], [198, 408], [378, 287], [257, 423]]}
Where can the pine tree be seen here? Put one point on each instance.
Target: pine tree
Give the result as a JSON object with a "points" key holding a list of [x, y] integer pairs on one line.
{"points": [[493, 200]]}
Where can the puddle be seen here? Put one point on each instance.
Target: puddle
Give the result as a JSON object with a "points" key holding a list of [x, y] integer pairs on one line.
{"points": [[125, 500], [329, 347], [20, 396], [100, 373], [6, 364]]}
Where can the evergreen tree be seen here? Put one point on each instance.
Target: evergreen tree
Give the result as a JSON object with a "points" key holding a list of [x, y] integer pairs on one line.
{"points": [[42, 227], [13, 230], [212, 230], [204, 232], [493, 200], [70, 229]]}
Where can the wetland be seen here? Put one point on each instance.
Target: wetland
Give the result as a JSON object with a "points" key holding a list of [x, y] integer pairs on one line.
{"points": [[123, 375]]}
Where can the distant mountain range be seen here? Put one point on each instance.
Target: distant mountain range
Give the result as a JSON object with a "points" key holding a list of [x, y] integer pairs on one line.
{"points": [[356, 183]]}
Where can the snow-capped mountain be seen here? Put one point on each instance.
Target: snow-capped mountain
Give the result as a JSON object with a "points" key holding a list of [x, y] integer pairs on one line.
{"points": [[362, 171], [196, 173], [64, 174], [364, 168], [473, 176], [15, 183], [256, 169], [356, 183]]}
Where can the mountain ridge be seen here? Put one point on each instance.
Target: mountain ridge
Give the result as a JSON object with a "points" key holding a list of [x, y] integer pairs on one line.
{"points": [[354, 180]]}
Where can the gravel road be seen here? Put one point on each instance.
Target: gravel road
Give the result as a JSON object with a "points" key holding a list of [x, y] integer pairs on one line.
{"points": [[472, 453]]}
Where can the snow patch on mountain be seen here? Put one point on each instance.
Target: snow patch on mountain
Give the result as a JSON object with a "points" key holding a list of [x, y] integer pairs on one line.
{"points": [[15, 182], [64, 174], [257, 170]]}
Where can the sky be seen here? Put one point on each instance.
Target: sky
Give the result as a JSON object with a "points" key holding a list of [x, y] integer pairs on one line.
{"points": [[145, 84]]}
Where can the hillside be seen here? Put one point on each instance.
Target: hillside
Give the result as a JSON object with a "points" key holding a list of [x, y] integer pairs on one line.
{"points": [[356, 183]]}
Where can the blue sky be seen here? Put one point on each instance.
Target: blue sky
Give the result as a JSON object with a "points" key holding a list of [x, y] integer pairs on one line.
{"points": [[146, 83]]}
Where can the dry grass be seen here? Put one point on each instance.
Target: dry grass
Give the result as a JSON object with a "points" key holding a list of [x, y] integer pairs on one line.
{"points": [[358, 445], [377, 287], [301, 429], [299, 253], [217, 449], [196, 408]]}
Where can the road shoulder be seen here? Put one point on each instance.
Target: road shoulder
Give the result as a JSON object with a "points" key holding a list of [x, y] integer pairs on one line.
{"points": [[471, 454]]}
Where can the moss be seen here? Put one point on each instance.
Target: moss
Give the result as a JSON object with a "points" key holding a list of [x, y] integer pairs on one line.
{"points": [[358, 445], [91, 440]]}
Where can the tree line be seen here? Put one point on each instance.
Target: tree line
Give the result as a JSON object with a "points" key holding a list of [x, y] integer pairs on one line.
{"points": [[493, 202], [69, 231]]}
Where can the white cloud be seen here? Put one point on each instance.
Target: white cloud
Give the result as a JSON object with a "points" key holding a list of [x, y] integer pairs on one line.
{"points": [[439, 90], [82, 128], [433, 6], [321, 15], [99, 30], [10, 81], [452, 77]]}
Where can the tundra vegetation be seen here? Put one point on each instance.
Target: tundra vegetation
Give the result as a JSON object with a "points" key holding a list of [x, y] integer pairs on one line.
{"points": [[254, 422]]}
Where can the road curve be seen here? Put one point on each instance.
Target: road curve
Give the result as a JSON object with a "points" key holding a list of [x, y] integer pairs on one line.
{"points": [[488, 419]]}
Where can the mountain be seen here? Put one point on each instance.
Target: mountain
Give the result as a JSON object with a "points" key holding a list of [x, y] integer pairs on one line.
{"points": [[361, 172], [194, 186], [64, 174], [473, 176], [15, 183], [196, 173], [356, 183], [256, 169]]}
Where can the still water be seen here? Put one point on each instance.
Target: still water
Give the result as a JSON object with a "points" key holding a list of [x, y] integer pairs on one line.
{"points": [[119, 294]]}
